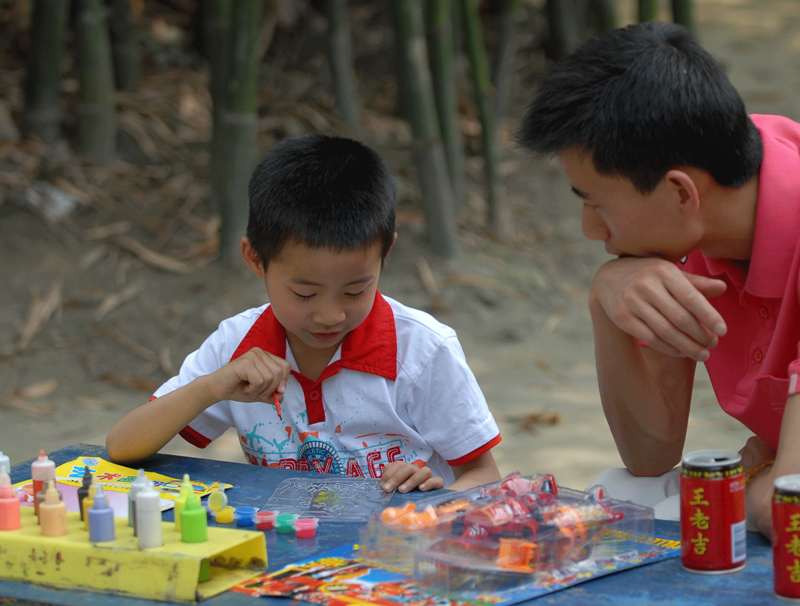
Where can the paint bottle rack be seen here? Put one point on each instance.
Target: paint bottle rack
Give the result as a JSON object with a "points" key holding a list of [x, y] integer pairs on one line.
{"points": [[119, 567]]}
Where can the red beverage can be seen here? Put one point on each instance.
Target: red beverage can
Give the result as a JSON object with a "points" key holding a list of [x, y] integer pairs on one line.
{"points": [[786, 536], [713, 524]]}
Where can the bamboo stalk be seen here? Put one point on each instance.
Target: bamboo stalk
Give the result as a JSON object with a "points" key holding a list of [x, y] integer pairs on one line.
{"points": [[440, 24], [42, 114], [564, 20], [498, 218], [648, 10], [125, 49], [344, 80], [96, 130], [437, 200], [504, 59], [683, 13], [239, 127]]}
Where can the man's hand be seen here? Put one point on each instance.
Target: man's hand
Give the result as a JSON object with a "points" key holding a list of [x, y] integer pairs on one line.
{"points": [[660, 305], [405, 477], [252, 377]]}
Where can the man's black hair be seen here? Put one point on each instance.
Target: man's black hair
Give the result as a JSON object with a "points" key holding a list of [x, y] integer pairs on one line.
{"points": [[323, 192], [642, 100]]}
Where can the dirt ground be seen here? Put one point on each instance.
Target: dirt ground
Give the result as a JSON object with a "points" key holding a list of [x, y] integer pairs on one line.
{"points": [[113, 322]]}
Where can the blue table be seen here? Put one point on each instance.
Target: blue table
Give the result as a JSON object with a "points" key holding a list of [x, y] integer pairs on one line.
{"points": [[664, 582]]}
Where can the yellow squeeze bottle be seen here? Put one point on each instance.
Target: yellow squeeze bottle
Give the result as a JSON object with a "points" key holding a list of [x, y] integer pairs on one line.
{"points": [[89, 501], [185, 490]]}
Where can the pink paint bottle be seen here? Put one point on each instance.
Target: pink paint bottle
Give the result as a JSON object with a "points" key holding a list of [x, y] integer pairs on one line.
{"points": [[43, 468], [305, 528], [9, 504]]}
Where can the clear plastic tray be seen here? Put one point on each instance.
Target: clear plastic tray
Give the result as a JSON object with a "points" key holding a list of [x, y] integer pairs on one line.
{"points": [[519, 530], [329, 498]]}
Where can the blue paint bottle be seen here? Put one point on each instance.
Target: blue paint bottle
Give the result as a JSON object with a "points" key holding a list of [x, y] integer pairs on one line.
{"points": [[101, 519]]}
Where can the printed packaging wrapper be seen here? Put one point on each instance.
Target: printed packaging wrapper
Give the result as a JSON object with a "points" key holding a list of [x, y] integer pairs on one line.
{"points": [[503, 535], [117, 478]]}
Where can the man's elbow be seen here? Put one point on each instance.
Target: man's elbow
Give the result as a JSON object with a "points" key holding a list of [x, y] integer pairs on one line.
{"points": [[642, 468]]}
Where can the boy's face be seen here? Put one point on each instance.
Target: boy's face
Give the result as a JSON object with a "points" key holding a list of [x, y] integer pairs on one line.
{"points": [[319, 295], [627, 221]]}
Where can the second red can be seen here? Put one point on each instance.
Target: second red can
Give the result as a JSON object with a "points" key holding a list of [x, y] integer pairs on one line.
{"points": [[713, 524]]}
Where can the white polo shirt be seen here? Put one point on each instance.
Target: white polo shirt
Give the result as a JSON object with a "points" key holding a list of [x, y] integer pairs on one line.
{"points": [[398, 388]]}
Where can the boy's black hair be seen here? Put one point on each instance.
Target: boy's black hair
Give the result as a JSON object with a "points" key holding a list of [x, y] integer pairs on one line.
{"points": [[642, 100], [321, 191]]}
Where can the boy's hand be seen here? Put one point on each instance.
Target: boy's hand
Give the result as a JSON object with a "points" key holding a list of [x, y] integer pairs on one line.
{"points": [[252, 377], [660, 305], [405, 477]]}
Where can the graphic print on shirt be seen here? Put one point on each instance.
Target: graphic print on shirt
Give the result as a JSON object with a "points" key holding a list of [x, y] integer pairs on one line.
{"points": [[307, 452]]}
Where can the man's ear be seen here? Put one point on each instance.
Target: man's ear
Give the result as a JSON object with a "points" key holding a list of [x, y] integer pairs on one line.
{"points": [[686, 188], [251, 258]]}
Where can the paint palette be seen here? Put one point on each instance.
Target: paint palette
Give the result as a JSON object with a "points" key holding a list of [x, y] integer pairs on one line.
{"points": [[329, 499]]}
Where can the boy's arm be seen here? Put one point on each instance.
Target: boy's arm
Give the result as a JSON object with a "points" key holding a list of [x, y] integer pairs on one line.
{"points": [[646, 391], [480, 470], [146, 429], [253, 377]]}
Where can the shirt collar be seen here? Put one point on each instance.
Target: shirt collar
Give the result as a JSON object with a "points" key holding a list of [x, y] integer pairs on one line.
{"points": [[777, 212], [371, 347]]}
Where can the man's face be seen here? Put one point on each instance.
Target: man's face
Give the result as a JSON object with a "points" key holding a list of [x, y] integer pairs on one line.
{"points": [[628, 222]]}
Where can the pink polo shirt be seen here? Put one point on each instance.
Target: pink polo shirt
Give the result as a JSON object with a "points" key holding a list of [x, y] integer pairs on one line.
{"points": [[749, 369]]}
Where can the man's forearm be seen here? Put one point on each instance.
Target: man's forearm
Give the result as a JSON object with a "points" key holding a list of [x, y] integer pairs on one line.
{"points": [[649, 426]]}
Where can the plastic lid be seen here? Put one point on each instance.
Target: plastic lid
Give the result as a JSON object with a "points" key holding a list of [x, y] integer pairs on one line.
{"points": [[6, 489], [266, 516], [305, 523], [218, 500]]}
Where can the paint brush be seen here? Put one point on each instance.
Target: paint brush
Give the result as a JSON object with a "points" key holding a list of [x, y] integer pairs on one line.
{"points": [[277, 404]]}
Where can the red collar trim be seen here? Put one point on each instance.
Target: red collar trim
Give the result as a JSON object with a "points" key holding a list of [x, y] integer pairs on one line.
{"points": [[371, 347]]}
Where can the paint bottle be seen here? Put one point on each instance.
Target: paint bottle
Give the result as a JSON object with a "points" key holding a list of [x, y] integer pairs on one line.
{"points": [[147, 505], [43, 468], [53, 513], [194, 523], [83, 491], [87, 503], [138, 484], [265, 520], [5, 463], [101, 519], [38, 498], [185, 490], [245, 516], [305, 527], [224, 515], [9, 504], [284, 523]]}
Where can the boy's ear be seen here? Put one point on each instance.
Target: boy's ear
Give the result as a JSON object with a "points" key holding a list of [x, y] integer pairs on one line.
{"points": [[390, 249], [686, 188], [251, 258]]}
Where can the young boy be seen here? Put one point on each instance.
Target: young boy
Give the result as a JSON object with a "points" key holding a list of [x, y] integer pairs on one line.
{"points": [[367, 387], [700, 206]]}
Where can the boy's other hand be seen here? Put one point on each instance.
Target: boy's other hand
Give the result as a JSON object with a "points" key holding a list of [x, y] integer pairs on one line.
{"points": [[660, 305], [252, 377], [405, 477]]}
